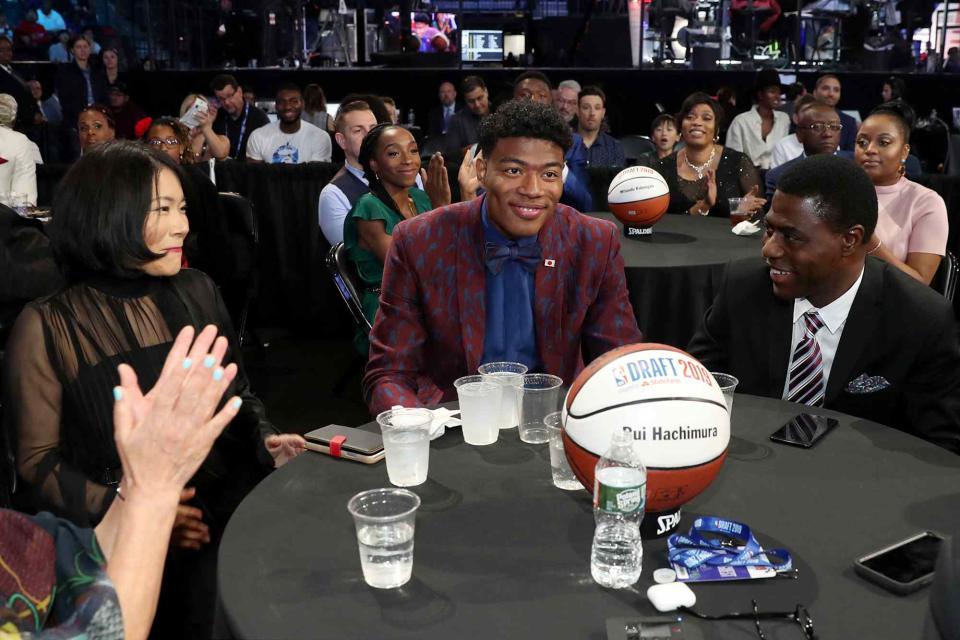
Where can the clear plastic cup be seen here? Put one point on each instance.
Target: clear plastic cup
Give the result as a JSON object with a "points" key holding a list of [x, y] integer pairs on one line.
{"points": [[385, 520], [728, 384], [539, 395], [563, 476], [508, 375], [737, 211], [406, 444], [479, 409]]}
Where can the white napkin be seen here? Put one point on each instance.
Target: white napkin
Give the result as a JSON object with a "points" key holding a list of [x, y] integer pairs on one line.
{"points": [[746, 228], [442, 418]]}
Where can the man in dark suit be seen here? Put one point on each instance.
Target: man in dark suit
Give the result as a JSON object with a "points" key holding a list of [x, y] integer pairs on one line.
{"points": [[818, 130], [511, 276], [439, 118], [828, 90], [14, 84], [823, 324]]}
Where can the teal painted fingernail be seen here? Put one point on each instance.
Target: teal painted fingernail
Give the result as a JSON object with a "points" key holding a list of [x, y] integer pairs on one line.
{"points": [[218, 374], [117, 394], [187, 363], [209, 361], [236, 403]]}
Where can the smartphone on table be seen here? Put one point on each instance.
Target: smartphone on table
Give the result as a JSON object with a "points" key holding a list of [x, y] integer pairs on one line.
{"points": [[904, 566]]}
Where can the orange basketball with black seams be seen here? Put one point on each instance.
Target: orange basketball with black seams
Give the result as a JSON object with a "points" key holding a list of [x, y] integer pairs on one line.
{"points": [[673, 408]]}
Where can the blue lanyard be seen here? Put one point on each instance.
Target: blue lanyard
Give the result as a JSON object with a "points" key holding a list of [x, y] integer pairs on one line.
{"points": [[243, 128], [727, 543]]}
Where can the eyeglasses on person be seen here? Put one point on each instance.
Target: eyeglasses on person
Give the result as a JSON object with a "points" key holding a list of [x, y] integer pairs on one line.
{"points": [[820, 127]]}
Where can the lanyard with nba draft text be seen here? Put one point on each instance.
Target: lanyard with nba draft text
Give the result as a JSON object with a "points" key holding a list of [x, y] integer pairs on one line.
{"points": [[717, 542]]}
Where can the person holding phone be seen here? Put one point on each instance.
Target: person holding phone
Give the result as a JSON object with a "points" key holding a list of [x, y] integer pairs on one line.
{"points": [[818, 323], [205, 143]]}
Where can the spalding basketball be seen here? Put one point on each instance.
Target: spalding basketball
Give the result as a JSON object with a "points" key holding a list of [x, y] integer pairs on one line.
{"points": [[638, 196], [673, 408]]}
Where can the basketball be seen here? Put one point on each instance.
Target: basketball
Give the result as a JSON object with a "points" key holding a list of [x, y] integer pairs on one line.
{"points": [[673, 407], [638, 196]]}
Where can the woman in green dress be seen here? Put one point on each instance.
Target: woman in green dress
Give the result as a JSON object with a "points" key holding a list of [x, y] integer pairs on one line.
{"points": [[391, 163]]}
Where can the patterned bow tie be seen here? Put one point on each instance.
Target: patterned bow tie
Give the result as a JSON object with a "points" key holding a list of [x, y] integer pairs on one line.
{"points": [[498, 254]]}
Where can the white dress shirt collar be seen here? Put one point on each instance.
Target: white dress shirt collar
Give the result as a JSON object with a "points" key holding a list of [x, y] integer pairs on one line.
{"points": [[834, 315]]}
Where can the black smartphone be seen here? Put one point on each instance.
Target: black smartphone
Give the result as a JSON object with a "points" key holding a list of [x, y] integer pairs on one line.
{"points": [[904, 566], [804, 430]]}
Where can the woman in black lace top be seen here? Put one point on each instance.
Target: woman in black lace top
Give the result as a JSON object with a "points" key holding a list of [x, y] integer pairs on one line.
{"points": [[703, 175], [118, 228]]}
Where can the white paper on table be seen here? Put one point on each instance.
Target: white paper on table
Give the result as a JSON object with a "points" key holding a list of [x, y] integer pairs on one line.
{"points": [[746, 228], [442, 418]]}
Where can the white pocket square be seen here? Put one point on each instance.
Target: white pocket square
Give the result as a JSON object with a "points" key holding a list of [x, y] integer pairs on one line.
{"points": [[864, 384]]}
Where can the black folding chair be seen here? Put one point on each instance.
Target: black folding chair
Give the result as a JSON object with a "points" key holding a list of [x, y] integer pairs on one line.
{"points": [[240, 290], [344, 276], [946, 278], [636, 146]]}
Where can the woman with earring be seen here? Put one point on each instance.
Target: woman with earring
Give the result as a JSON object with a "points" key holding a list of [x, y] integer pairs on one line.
{"points": [[703, 175], [391, 162], [912, 224]]}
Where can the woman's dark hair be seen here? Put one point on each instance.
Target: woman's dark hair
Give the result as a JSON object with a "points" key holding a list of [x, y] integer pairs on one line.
{"points": [[524, 119], [898, 89], [179, 130], [101, 207], [899, 111], [726, 94], [841, 191], [102, 110], [795, 90], [692, 101], [314, 100], [368, 149]]}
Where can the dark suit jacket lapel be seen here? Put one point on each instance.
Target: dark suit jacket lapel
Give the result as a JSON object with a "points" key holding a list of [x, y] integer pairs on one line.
{"points": [[779, 329], [548, 294], [858, 330], [471, 285]]}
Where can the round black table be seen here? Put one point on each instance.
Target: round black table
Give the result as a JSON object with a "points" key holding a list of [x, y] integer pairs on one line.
{"points": [[501, 553], [673, 274]]}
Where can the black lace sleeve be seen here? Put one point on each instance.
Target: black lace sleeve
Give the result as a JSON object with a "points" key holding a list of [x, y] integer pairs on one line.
{"points": [[32, 417]]}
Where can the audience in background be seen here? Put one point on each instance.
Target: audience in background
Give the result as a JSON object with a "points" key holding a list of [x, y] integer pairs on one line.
{"points": [[18, 171], [868, 319], [818, 131], [790, 147], [111, 64], [87, 34], [789, 106], [473, 282], [727, 99], [391, 106], [315, 108], [205, 143], [567, 101], [463, 126], [828, 90], [6, 29], [249, 95], [289, 140], [755, 132], [235, 118], [13, 83], [125, 113], [597, 147], [353, 122], [48, 109], [127, 298], [391, 162], [58, 51], [30, 34], [95, 125], [704, 175], [79, 84], [664, 134], [893, 89], [438, 120], [912, 226], [49, 18]]}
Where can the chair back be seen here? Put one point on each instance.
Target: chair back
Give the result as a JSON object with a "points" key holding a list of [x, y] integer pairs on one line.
{"points": [[344, 276], [244, 239], [636, 146], [953, 156], [946, 278]]}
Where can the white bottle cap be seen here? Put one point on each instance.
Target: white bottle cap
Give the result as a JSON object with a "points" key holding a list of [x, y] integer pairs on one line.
{"points": [[663, 576]]}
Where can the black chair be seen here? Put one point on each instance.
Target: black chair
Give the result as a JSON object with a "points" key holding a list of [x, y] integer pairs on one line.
{"points": [[432, 145], [244, 240], [946, 278], [344, 276], [636, 146]]}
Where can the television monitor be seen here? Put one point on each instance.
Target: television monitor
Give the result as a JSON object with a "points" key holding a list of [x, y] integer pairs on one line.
{"points": [[435, 32], [482, 45]]}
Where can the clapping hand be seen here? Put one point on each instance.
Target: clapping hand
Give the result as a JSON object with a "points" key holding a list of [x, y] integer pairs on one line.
{"points": [[711, 175], [163, 437], [752, 202], [436, 182], [467, 176]]}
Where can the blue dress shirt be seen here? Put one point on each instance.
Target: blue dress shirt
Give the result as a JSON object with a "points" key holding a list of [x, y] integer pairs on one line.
{"points": [[509, 334]]}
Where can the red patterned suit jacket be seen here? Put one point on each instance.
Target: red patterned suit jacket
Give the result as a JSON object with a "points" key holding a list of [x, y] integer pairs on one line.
{"points": [[429, 330]]}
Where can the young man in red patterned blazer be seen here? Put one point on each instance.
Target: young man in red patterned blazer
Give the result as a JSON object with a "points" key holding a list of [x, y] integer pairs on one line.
{"points": [[510, 276]]}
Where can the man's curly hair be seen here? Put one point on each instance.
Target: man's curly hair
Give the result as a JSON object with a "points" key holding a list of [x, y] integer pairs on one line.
{"points": [[524, 119]]}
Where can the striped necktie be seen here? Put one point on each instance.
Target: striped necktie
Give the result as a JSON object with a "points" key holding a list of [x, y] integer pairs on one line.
{"points": [[807, 385]]}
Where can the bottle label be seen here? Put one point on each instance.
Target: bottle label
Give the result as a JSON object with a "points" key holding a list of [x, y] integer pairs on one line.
{"points": [[624, 500]]}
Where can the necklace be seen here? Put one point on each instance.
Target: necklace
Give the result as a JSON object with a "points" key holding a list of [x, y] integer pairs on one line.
{"points": [[700, 168]]}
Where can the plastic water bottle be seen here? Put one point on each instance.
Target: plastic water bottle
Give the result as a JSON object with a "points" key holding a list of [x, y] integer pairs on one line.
{"points": [[619, 495]]}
